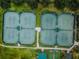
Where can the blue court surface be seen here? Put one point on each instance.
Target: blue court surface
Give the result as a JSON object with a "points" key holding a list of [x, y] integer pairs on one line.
{"points": [[48, 21], [42, 56], [19, 29], [11, 19], [10, 36], [65, 38], [48, 37], [27, 36], [28, 20], [66, 22], [57, 30]]}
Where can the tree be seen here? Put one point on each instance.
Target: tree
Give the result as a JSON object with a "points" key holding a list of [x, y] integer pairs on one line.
{"points": [[17, 2], [59, 4], [45, 3], [32, 3], [5, 4], [74, 5]]}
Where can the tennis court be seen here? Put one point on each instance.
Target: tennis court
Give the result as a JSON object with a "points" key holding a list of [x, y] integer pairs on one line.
{"points": [[65, 38], [11, 21], [48, 26], [66, 21], [48, 21], [19, 29], [27, 36], [48, 37], [28, 24], [57, 30], [28, 20], [66, 25]]}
